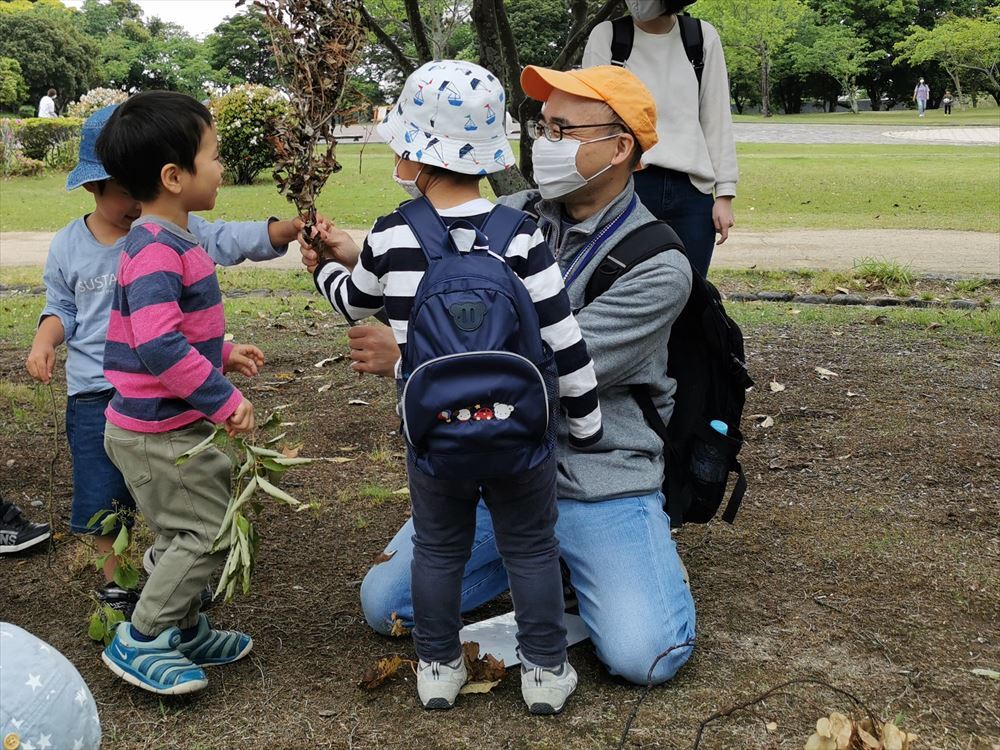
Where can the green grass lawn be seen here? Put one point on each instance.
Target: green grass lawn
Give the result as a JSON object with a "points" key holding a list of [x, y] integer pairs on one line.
{"points": [[985, 114], [782, 186]]}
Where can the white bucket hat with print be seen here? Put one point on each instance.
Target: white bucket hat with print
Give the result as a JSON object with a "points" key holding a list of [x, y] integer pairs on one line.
{"points": [[450, 115]]}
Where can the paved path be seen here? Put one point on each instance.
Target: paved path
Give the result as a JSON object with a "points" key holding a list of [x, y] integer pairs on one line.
{"points": [[752, 132], [757, 132], [944, 253]]}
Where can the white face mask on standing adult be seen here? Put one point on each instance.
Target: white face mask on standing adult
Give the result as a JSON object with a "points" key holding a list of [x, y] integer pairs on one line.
{"points": [[646, 10], [409, 186], [554, 164]]}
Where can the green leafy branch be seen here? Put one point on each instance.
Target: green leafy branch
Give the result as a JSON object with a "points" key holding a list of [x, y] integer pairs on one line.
{"points": [[260, 468], [105, 618]]}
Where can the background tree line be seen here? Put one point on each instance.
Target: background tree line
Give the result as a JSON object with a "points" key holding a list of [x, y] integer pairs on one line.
{"points": [[782, 54]]}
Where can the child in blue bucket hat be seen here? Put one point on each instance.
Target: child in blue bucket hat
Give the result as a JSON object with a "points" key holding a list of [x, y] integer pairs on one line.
{"points": [[80, 276], [447, 131]]}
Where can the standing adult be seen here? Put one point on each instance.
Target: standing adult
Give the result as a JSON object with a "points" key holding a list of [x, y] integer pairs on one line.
{"points": [[47, 104], [614, 535], [921, 93], [690, 176]]}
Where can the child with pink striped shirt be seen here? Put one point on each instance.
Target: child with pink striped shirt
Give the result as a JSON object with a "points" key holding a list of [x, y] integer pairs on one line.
{"points": [[165, 355]]}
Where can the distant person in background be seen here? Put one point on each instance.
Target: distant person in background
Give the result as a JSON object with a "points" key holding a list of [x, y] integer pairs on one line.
{"points": [[946, 101], [921, 94], [47, 104], [689, 177]]}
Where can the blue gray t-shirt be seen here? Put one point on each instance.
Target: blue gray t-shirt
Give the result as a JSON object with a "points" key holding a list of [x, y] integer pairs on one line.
{"points": [[80, 277]]}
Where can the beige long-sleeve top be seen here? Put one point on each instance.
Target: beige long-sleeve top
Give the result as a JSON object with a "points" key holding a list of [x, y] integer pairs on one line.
{"points": [[695, 129]]}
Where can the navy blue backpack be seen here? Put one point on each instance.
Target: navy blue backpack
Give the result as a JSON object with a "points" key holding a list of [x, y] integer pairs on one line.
{"points": [[479, 388]]}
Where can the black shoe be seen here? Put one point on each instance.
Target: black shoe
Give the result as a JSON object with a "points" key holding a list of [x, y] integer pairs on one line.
{"points": [[114, 596], [149, 562], [17, 533]]}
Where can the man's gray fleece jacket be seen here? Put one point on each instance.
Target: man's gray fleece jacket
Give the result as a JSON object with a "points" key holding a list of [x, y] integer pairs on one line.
{"points": [[626, 330]]}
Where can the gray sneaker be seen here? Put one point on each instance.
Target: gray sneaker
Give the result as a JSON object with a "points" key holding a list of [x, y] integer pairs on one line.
{"points": [[438, 682], [545, 690]]}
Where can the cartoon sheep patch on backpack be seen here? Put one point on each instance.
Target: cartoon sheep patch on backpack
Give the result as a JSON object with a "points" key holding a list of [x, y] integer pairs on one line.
{"points": [[477, 413]]}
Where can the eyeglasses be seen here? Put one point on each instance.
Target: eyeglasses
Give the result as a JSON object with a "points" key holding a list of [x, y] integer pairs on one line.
{"points": [[554, 133]]}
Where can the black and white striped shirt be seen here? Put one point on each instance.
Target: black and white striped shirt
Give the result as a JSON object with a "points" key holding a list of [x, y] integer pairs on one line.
{"points": [[392, 265]]}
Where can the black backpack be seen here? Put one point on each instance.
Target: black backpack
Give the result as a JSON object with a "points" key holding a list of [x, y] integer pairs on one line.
{"points": [[706, 359], [623, 35]]}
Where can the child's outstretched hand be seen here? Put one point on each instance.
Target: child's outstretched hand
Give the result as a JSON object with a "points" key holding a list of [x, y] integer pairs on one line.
{"points": [[41, 362], [340, 246], [241, 420], [246, 359]]}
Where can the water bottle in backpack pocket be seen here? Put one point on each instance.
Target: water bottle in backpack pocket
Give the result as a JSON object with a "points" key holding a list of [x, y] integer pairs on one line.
{"points": [[478, 387]]}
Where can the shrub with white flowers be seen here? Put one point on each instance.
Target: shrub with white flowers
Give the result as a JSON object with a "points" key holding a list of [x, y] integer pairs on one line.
{"points": [[246, 119], [94, 100]]}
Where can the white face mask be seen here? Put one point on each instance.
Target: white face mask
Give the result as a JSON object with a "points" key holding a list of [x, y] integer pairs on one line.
{"points": [[409, 186], [646, 10], [555, 166]]}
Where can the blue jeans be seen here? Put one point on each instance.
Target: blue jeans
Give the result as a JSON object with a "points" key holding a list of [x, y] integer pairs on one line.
{"points": [[623, 564], [670, 197], [97, 483]]}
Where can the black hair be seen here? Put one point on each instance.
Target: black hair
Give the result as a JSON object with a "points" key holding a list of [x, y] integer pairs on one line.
{"points": [[147, 132]]}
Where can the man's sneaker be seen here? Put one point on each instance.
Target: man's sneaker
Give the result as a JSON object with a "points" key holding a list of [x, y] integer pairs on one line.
{"points": [[438, 682], [545, 690], [17, 533], [156, 666], [149, 562], [213, 647], [114, 596]]}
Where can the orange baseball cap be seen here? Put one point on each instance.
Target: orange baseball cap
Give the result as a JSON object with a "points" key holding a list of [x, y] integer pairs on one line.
{"points": [[620, 89]]}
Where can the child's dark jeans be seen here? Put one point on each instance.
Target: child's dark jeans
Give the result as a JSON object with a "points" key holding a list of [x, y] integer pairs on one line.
{"points": [[524, 513], [97, 483]]}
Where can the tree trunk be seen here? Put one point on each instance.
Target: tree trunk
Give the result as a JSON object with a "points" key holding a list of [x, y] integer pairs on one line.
{"points": [[765, 83], [875, 96], [495, 58]]}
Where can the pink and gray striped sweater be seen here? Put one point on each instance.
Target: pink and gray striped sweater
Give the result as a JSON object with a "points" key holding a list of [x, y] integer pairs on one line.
{"points": [[165, 352]]}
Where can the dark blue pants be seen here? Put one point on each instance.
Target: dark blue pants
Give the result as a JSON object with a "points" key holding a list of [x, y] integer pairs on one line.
{"points": [[97, 483], [671, 197], [523, 509]]}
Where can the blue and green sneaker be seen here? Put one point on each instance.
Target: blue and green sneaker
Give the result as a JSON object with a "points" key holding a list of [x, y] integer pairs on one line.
{"points": [[210, 647], [156, 665]]}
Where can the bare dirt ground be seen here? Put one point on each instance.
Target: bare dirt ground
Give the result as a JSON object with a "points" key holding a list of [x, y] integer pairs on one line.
{"points": [[867, 554], [945, 253]]}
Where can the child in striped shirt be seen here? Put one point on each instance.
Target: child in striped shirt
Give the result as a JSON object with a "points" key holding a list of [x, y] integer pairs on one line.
{"points": [[447, 132], [165, 356]]}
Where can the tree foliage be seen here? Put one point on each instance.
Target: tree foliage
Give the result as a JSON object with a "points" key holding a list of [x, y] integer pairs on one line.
{"points": [[760, 27], [13, 89], [50, 48], [960, 45], [240, 47]]}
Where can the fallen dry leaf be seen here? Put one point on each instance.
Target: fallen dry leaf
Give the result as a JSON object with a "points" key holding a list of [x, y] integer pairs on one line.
{"points": [[776, 464], [771, 726], [339, 459], [991, 673], [324, 388], [398, 628], [328, 360], [843, 290], [485, 669], [357, 402], [763, 420], [385, 557], [852, 394], [384, 669], [402, 491], [478, 687], [776, 387], [288, 452], [825, 374]]}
